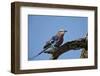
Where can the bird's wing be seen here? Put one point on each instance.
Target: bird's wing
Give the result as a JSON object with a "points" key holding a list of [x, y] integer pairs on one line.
{"points": [[46, 45], [51, 41]]}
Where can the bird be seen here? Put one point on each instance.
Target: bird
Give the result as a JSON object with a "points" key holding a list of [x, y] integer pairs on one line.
{"points": [[54, 43]]}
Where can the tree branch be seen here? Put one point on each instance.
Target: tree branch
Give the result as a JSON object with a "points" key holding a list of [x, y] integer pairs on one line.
{"points": [[71, 45]]}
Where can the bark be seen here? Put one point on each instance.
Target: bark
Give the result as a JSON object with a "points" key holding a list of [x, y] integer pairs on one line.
{"points": [[81, 43]]}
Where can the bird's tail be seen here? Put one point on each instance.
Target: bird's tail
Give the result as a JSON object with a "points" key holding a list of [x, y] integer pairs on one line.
{"points": [[38, 54]]}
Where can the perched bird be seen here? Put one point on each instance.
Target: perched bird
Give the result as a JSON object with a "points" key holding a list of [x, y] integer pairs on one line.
{"points": [[54, 43]]}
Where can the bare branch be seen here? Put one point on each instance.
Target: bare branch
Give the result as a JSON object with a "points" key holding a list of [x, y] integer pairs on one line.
{"points": [[71, 45]]}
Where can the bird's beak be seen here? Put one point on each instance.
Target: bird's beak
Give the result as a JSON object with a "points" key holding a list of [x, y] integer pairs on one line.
{"points": [[65, 31]]}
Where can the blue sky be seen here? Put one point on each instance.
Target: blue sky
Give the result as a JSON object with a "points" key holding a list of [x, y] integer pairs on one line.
{"points": [[42, 27]]}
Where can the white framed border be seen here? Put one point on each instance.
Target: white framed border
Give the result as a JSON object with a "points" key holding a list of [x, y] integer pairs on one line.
{"points": [[26, 65]]}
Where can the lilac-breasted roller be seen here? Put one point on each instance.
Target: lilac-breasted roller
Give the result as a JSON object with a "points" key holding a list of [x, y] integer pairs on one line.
{"points": [[54, 43]]}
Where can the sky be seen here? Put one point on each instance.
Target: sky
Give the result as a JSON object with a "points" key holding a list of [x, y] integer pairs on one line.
{"points": [[42, 27]]}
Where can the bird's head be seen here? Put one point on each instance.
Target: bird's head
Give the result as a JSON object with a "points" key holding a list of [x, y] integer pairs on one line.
{"points": [[62, 31]]}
